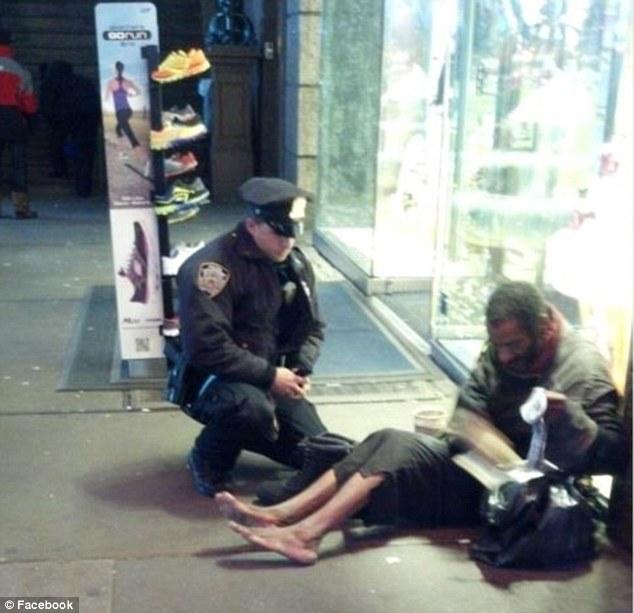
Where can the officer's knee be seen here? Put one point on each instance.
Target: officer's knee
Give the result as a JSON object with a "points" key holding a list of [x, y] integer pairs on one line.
{"points": [[245, 409], [256, 416]]}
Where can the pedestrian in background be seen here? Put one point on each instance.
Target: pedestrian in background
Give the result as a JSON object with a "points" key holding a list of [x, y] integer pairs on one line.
{"points": [[69, 103], [18, 105]]}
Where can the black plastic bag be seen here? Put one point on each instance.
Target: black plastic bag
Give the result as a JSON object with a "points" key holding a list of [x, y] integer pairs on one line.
{"points": [[542, 523]]}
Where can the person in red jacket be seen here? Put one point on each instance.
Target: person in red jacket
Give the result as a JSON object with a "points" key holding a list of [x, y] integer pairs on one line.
{"points": [[17, 104]]}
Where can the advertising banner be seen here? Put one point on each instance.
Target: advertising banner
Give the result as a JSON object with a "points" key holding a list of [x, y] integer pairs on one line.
{"points": [[137, 282], [125, 30]]}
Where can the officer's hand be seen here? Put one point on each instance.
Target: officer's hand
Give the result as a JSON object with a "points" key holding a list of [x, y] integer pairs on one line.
{"points": [[305, 386], [289, 384]]}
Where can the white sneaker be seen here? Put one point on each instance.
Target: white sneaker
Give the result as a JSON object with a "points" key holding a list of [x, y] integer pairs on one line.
{"points": [[177, 256]]}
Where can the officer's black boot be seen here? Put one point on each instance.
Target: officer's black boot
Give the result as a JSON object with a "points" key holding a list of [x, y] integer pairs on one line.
{"points": [[320, 453], [208, 480]]}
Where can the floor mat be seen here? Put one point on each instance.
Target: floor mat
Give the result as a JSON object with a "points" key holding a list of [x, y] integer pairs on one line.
{"points": [[88, 359], [357, 350], [355, 343]]}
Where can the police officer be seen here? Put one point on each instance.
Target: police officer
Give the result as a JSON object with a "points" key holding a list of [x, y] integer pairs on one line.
{"points": [[250, 335]]}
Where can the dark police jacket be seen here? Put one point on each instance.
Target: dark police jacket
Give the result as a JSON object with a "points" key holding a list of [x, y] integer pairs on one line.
{"points": [[229, 299]]}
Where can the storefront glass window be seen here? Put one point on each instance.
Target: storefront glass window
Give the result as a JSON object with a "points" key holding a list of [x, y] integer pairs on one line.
{"points": [[541, 163], [406, 165], [381, 123], [351, 74]]}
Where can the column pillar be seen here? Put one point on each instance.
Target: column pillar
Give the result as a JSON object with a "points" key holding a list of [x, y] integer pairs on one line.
{"points": [[231, 148]]}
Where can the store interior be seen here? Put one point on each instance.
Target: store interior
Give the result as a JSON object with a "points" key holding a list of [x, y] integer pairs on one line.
{"points": [[493, 142]]}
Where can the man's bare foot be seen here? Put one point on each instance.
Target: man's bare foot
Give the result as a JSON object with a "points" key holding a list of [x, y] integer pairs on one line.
{"points": [[243, 513], [283, 540]]}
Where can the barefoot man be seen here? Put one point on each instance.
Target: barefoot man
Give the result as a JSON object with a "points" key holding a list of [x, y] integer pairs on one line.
{"points": [[397, 475]]}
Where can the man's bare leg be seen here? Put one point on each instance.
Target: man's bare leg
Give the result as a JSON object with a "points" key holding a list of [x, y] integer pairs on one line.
{"points": [[300, 541], [286, 512], [244, 513]]}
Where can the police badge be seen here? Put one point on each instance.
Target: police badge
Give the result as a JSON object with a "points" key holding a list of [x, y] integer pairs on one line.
{"points": [[212, 278]]}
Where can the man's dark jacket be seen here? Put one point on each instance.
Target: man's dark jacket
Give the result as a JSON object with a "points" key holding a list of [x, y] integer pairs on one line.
{"points": [[587, 436], [234, 334]]}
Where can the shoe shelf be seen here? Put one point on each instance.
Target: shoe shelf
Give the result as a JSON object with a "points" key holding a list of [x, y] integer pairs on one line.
{"points": [[178, 193]]}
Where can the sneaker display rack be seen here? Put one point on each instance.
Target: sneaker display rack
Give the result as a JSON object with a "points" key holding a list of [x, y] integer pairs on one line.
{"points": [[173, 130], [178, 194]]}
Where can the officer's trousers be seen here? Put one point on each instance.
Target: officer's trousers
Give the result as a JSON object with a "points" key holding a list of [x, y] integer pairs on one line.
{"points": [[240, 416]]}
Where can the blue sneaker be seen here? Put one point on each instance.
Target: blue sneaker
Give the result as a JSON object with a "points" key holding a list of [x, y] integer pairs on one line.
{"points": [[207, 481]]}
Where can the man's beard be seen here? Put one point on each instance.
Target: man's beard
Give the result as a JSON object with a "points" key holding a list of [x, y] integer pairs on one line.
{"points": [[522, 366]]}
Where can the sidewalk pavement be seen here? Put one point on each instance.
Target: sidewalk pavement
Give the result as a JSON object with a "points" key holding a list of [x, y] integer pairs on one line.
{"points": [[98, 503]]}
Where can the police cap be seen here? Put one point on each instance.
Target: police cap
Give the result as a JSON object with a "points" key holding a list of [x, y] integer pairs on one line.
{"points": [[277, 202]]}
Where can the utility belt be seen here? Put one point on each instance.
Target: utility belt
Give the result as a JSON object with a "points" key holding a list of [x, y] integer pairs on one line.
{"points": [[184, 384]]}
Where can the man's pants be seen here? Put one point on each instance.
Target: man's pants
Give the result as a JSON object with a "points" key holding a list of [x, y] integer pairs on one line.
{"points": [[240, 416], [16, 177]]}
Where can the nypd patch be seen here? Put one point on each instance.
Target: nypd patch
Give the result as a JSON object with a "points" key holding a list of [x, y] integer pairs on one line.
{"points": [[212, 278]]}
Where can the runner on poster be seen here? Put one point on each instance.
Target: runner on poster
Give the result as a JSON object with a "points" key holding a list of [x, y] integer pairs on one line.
{"points": [[123, 30]]}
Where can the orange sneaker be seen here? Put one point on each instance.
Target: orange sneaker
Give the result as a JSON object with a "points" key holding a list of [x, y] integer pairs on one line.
{"points": [[172, 68], [198, 62]]}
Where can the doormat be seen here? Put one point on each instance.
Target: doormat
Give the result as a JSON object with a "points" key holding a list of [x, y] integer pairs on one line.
{"points": [[88, 358], [357, 356]]}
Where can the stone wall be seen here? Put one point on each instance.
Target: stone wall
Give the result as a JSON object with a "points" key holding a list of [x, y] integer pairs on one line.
{"points": [[301, 93]]}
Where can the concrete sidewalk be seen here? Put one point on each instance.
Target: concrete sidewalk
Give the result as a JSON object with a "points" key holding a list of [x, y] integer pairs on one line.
{"points": [[97, 501]]}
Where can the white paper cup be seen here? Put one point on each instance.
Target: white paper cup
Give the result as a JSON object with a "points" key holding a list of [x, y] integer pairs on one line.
{"points": [[430, 421]]}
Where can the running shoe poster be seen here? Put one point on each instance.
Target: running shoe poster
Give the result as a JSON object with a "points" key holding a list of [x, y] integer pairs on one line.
{"points": [[137, 282], [123, 29]]}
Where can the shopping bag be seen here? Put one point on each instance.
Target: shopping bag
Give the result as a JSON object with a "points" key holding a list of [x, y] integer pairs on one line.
{"points": [[541, 523]]}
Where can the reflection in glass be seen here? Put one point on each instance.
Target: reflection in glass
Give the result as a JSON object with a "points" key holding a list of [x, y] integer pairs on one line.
{"points": [[536, 90], [405, 202], [351, 68], [382, 67]]}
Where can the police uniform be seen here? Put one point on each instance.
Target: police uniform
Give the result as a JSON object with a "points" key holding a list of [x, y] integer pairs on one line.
{"points": [[242, 315]]}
